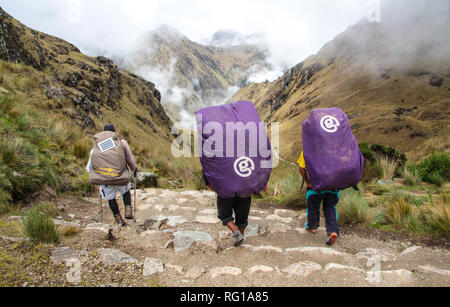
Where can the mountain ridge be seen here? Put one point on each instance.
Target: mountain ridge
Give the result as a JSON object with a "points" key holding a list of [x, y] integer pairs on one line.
{"points": [[393, 95], [83, 87], [193, 75]]}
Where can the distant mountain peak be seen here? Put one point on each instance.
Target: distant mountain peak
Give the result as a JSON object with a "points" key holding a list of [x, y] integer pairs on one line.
{"points": [[167, 32], [228, 38]]}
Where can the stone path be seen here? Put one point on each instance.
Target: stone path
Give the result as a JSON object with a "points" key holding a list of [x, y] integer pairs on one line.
{"points": [[179, 241]]}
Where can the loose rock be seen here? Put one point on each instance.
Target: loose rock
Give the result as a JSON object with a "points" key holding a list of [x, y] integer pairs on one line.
{"points": [[153, 266]]}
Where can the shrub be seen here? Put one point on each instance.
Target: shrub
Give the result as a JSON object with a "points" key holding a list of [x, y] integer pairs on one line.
{"points": [[435, 169], [354, 209], [368, 154], [437, 214], [40, 227]]}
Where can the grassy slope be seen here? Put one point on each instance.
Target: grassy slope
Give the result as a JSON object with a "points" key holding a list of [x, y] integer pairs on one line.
{"points": [[46, 137]]}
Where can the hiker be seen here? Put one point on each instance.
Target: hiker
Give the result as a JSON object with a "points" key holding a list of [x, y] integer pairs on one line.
{"points": [[235, 175], [330, 200], [241, 209], [331, 161], [107, 167]]}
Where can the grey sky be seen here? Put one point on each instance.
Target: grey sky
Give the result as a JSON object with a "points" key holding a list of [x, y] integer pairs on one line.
{"points": [[294, 29]]}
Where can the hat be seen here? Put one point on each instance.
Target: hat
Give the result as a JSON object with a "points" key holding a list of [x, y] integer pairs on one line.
{"points": [[110, 128]]}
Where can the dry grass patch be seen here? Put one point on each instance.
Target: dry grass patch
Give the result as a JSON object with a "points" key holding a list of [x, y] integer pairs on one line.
{"points": [[437, 214]]}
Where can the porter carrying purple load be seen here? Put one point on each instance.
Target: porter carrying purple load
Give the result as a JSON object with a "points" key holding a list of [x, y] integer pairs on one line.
{"points": [[332, 155], [235, 149]]}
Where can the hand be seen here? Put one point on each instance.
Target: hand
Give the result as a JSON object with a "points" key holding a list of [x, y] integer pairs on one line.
{"points": [[265, 189], [210, 188], [308, 184], [135, 172]]}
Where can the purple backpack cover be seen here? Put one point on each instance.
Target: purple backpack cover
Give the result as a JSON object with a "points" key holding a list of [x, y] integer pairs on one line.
{"points": [[238, 175], [332, 155]]}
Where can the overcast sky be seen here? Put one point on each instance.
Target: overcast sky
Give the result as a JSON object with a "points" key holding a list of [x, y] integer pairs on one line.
{"points": [[294, 29]]}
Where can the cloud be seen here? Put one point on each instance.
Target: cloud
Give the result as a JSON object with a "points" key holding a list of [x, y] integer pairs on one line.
{"points": [[294, 29], [73, 11]]}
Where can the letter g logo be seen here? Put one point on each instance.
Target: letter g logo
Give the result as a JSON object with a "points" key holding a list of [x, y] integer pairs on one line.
{"points": [[244, 167], [330, 124]]}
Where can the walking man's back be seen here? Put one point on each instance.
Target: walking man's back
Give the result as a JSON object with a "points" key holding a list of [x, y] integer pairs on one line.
{"points": [[108, 167]]}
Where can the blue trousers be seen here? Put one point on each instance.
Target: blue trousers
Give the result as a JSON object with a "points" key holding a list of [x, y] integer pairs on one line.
{"points": [[330, 201]]}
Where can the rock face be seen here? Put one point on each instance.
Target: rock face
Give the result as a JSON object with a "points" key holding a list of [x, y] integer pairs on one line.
{"points": [[81, 85]]}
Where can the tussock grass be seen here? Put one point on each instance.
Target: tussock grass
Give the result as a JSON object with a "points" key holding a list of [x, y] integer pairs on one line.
{"points": [[82, 148], [353, 208], [388, 167], [411, 177], [40, 227], [401, 213], [437, 214]]}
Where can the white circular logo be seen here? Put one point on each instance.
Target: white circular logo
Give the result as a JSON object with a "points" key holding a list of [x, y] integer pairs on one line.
{"points": [[244, 167], [330, 124]]}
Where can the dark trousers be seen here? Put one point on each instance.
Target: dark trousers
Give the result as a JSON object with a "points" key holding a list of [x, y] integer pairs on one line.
{"points": [[115, 207], [330, 200], [241, 208]]}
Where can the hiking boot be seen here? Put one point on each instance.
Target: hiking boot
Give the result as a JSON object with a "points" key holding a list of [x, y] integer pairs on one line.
{"points": [[238, 238], [314, 231], [129, 213], [119, 220], [332, 239]]}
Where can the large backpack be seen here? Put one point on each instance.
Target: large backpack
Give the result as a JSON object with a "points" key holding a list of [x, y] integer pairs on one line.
{"points": [[234, 175], [332, 155], [109, 166]]}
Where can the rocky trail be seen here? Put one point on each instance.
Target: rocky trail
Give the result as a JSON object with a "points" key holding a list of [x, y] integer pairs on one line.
{"points": [[178, 241]]}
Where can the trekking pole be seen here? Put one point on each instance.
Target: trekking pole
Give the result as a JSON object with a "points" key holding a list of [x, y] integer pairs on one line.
{"points": [[303, 184], [135, 187], [101, 205]]}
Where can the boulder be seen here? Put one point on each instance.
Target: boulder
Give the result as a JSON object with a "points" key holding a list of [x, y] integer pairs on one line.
{"points": [[184, 239], [146, 180], [111, 257]]}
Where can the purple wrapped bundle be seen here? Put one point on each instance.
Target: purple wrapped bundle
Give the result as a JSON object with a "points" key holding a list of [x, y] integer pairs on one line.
{"points": [[332, 155], [235, 149]]}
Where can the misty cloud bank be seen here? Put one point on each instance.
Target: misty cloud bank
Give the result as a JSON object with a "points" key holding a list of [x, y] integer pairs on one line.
{"points": [[411, 35]]}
